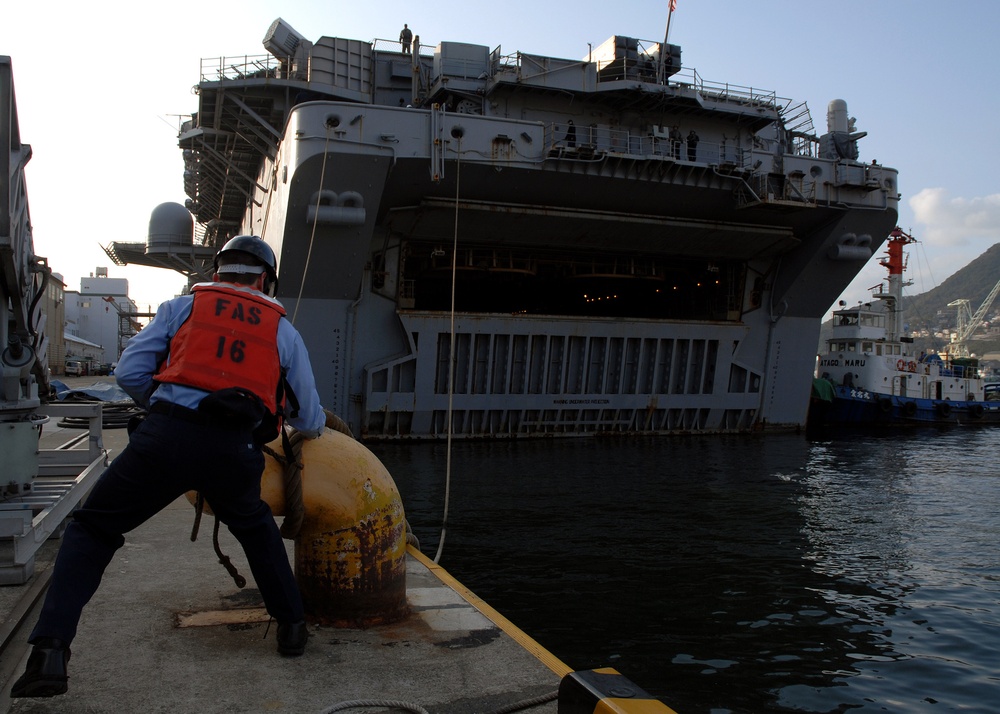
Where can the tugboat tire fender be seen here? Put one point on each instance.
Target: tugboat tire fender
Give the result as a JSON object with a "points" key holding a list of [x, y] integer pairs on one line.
{"points": [[885, 405], [943, 409], [976, 411], [909, 409]]}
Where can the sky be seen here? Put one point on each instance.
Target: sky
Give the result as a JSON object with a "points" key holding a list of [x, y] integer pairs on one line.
{"points": [[102, 87]]}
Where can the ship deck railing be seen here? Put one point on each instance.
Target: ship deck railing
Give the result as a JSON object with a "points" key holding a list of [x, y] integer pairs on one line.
{"points": [[643, 68], [590, 141], [266, 65], [424, 49], [959, 371], [597, 141], [217, 69]]}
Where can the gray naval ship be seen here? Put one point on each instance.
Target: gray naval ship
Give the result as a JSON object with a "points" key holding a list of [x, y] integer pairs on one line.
{"points": [[526, 245]]}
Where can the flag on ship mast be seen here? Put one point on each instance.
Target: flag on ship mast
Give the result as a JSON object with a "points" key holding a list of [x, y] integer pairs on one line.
{"points": [[673, 6]]}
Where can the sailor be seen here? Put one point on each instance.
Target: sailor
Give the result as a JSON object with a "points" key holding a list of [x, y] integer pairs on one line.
{"points": [[692, 142], [213, 369], [405, 37], [676, 138], [570, 134]]}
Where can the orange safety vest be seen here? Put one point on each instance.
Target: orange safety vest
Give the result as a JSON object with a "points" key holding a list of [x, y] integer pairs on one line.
{"points": [[230, 339]]}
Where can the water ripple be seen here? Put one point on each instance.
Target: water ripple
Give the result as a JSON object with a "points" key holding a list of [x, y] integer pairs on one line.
{"points": [[738, 574]]}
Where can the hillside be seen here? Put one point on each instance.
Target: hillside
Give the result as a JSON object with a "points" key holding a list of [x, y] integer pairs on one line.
{"points": [[928, 312]]}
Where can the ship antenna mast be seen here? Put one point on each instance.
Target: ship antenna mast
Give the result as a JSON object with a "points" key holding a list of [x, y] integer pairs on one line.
{"points": [[896, 264], [661, 65]]}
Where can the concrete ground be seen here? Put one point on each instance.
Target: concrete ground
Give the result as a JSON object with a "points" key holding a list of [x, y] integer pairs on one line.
{"points": [[137, 652]]}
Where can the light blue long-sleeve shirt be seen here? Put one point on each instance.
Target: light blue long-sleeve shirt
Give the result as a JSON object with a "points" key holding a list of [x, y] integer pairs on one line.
{"points": [[145, 352]]}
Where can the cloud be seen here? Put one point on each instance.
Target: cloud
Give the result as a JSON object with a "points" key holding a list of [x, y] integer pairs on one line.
{"points": [[953, 222]]}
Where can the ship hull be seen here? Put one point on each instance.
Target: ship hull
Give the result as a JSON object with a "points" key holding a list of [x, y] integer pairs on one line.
{"points": [[858, 407]]}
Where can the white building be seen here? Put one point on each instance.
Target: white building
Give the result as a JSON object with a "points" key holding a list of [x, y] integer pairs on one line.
{"points": [[80, 349], [102, 314]]}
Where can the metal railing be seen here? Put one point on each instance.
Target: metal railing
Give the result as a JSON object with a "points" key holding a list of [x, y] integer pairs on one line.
{"points": [[643, 68], [216, 69], [593, 140], [424, 49]]}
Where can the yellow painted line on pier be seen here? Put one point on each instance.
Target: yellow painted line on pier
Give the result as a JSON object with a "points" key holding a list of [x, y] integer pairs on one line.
{"points": [[518, 635]]}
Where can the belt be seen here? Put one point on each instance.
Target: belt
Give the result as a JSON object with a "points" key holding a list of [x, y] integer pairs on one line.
{"points": [[197, 417]]}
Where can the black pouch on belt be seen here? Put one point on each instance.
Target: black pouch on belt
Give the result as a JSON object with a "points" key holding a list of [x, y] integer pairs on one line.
{"points": [[134, 421], [234, 406]]}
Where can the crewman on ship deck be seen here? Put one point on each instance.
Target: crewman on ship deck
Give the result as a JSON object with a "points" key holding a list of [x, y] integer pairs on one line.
{"points": [[676, 138]]}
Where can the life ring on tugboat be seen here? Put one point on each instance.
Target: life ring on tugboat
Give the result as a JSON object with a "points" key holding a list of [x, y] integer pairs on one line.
{"points": [[885, 405], [909, 409], [943, 409], [900, 365], [911, 366], [975, 411]]}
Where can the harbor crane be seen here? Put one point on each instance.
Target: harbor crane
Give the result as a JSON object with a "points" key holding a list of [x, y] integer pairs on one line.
{"points": [[967, 322]]}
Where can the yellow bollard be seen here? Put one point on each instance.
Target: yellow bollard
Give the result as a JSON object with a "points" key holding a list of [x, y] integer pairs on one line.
{"points": [[350, 553]]}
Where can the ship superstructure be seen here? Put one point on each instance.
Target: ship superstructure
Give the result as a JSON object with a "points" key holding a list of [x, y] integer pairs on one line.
{"points": [[616, 244]]}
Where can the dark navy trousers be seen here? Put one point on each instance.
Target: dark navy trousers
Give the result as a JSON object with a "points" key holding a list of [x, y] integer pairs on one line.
{"points": [[167, 456]]}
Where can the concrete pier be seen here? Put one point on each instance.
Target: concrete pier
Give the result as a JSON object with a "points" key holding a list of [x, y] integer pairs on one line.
{"points": [[169, 631]]}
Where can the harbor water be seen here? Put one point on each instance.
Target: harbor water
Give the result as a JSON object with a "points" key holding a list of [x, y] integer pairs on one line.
{"points": [[852, 572]]}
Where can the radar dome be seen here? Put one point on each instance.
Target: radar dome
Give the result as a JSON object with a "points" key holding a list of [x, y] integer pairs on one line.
{"points": [[170, 226], [836, 116]]}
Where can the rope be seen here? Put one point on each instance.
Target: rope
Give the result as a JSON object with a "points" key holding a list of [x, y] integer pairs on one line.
{"points": [[224, 559], [411, 538], [451, 359], [291, 474], [114, 415], [384, 703], [199, 506], [337, 424], [292, 479], [312, 235]]}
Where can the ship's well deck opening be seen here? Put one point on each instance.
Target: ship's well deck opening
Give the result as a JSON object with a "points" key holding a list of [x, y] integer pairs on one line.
{"points": [[536, 283]]}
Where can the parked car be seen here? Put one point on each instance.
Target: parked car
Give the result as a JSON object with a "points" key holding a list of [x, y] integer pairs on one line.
{"points": [[74, 368]]}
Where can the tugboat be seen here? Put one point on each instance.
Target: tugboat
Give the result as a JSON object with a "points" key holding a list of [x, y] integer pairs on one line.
{"points": [[870, 374]]}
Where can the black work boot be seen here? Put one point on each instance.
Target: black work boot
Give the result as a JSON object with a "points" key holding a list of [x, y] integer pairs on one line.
{"points": [[45, 675], [292, 638]]}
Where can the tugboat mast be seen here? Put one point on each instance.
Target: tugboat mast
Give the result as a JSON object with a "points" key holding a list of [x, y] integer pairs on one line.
{"points": [[895, 264]]}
